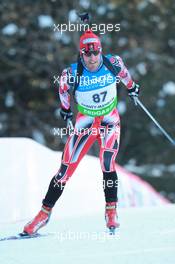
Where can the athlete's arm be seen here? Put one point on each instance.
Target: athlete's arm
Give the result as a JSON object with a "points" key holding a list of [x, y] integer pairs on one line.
{"points": [[125, 77], [64, 88]]}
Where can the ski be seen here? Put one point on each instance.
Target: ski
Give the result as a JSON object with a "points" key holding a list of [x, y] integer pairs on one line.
{"points": [[111, 230], [22, 236]]}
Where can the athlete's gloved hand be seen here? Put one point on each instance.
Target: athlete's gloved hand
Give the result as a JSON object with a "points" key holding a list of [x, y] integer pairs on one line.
{"points": [[66, 114], [134, 91]]}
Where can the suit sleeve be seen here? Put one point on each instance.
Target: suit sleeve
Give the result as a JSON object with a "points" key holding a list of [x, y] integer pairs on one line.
{"points": [[64, 89], [124, 74]]}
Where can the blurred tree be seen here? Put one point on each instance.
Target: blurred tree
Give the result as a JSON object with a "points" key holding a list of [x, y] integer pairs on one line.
{"points": [[32, 53]]}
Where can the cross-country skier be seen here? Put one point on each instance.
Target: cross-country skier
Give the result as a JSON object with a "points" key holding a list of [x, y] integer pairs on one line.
{"points": [[97, 119]]}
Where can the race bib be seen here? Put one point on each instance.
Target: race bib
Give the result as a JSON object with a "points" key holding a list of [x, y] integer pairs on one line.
{"points": [[97, 102]]}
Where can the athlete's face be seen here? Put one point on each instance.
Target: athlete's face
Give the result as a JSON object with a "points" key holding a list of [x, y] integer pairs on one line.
{"points": [[92, 60]]}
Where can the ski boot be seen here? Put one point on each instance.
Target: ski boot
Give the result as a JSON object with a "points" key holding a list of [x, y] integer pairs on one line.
{"points": [[111, 217], [40, 220]]}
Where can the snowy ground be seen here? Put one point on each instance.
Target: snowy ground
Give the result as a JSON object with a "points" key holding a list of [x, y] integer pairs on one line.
{"points": [[27, 168], [146, 235], [77, 227]]}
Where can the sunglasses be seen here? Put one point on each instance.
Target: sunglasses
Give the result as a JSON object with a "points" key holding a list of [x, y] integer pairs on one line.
{"points": [[89, 53]]}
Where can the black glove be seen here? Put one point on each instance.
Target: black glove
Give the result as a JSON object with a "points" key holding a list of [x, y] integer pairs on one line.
{"points": [[134, 91], [66, 114]]}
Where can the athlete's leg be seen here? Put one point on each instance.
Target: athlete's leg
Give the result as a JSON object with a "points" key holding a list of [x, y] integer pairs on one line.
{"points": [[76, 147], [109, 145]]}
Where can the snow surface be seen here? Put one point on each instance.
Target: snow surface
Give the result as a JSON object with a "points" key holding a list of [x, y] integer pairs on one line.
{"points": [[10, 29], [77, 227], [146, 235], [73, 15], [45, 21], [27, 168], [169, 88]]}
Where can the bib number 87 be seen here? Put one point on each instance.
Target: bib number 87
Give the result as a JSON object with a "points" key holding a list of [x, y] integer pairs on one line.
{"points": [[97, 98]]}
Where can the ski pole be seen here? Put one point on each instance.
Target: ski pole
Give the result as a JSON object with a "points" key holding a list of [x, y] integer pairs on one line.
{"points": [[138, 102]]}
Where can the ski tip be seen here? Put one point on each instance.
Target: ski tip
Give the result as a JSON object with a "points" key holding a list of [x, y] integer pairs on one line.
{"points": [[26, 235], [22, 234]]}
